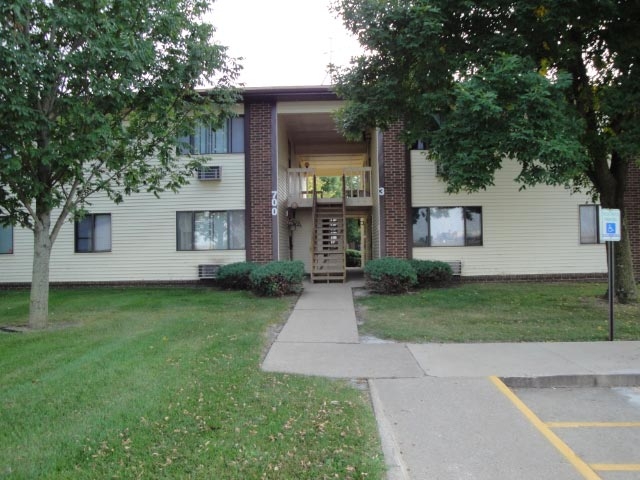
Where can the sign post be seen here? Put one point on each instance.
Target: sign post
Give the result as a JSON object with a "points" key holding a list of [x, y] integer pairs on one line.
{"points": [[610, 232]]}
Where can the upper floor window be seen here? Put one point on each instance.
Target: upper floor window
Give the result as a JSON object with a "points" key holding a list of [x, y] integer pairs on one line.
{"points": [[6, 238], [228, 139], [209, 230], [589, 228], [447, 226], [93, 233]]}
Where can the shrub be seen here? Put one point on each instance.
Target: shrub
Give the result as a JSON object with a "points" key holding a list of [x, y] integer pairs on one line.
{"points": [[278, 278], [236, 276], [353, 258], [432, 273], [389, 275]]}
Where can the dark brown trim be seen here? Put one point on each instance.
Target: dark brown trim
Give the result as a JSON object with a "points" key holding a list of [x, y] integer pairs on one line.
{"points": [[536, 278], [382, 227], [409, 206], [275, 227], [288, 94], [525, 278], [247, 184]]}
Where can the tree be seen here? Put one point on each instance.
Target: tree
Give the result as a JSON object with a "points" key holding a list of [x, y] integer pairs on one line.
{"points": [[551, 84], [93, 95]]}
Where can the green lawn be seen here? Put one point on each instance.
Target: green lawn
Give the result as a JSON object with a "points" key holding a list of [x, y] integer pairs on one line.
{"points": [[516, 312], [165, 383]]}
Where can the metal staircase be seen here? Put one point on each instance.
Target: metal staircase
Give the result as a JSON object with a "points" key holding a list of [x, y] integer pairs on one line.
{"points": [[328, 241]]}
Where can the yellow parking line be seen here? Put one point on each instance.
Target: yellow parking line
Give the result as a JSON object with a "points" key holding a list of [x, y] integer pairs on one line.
{"points": [[579, 464], [593, 424], [616, 467]]}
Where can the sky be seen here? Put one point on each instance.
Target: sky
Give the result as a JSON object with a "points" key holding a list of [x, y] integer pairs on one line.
{"points": [[282, 42]]}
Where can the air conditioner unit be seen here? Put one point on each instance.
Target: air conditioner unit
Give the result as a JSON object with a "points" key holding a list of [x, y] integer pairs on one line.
{"points": [[208, 271], [209, 173]]}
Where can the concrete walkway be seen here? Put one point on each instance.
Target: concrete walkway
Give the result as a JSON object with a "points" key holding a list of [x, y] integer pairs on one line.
{"points": [[439, 414]]}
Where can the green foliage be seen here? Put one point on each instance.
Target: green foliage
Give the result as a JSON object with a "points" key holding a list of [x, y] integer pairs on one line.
{"points": [[90, 91], [389, 275], [432, 273], [354, 258], [552, 86], [353, 231], [236, 276], [93, 97], [278, 278]]}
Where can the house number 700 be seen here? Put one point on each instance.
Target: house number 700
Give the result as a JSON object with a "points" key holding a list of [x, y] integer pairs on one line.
{"points": [[274, 202]]}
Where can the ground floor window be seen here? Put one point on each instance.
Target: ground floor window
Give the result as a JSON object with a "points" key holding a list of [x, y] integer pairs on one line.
{"points": [[93, 233], [210, 230], [447, 226], [6, 238], [589, 224]]}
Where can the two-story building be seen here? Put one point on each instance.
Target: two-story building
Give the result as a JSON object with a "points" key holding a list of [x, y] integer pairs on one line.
{"points": [[282, 183]]}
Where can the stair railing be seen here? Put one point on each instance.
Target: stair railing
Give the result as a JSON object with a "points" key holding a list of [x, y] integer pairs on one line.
{"points": [[314, 236], [344, 227]]}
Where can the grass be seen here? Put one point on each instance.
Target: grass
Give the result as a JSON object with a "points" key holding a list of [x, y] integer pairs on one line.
{"points": [[165, 383], [498, 313]]}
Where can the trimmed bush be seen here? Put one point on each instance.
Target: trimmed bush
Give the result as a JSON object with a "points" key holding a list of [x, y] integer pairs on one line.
{"points": [[389, 275], [278, 278], [432, 273], [353, 258], [236, 276]]}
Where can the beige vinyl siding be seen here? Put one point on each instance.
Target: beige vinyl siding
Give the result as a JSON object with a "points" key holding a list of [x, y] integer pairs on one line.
{"points": [[302, 238], [533, 231], [143, 234]]}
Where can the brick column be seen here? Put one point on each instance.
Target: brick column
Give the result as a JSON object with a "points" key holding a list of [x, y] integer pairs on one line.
{"points": [[632, 212], [396, 200], [258, 186]]}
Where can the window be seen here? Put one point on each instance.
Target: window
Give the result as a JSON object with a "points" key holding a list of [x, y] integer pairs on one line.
{"points": [[210, 230], [228, 139], [6, 238], [447, 226], [589, 232], [93, 233]]}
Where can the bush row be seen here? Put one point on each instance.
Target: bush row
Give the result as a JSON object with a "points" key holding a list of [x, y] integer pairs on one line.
{"points": [[395, 275], [272, 279]]}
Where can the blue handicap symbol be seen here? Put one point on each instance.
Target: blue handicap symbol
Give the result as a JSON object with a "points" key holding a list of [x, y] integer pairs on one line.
{"points": [[611, 228]]}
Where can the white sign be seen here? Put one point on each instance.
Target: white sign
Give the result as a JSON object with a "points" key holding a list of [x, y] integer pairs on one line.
{"points": [[610, 225]]}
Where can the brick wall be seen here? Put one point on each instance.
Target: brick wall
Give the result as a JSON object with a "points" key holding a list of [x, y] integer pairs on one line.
{"points": [[395, 203], [632, 211], [258, 187]]}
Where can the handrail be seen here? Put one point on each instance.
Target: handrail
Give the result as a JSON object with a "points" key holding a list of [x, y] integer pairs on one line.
{"points": [[363, 174], [344, 226], [314, 224]]}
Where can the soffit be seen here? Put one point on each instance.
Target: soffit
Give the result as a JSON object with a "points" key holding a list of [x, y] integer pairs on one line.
{"points": [[312, 129]]}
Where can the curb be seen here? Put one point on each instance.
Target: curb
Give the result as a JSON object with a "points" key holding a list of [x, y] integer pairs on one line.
{"points": [[396, 468]]}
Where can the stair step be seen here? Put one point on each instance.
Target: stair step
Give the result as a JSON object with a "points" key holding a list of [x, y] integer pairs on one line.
{"points": [[328, 256], [328, 278]]}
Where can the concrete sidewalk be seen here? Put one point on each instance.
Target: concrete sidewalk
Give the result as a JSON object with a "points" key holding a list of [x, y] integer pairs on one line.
{"points": [[439, 415]]}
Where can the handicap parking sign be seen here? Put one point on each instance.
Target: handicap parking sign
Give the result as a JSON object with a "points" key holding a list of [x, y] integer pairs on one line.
{"points": [[609, 225]]}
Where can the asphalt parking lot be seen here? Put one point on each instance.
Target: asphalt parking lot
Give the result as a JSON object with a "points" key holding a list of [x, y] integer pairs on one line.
{"points": [[483, 429], [600, 426]]}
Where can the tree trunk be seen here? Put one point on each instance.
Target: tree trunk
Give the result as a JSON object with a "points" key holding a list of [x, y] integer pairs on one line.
{"points": [[612, 183], [39, 301], [625, 283]]}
